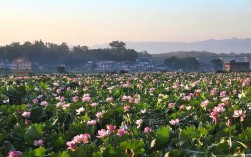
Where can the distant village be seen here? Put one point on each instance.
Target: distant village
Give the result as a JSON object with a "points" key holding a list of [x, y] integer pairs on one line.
{"points": [[145, 64]]}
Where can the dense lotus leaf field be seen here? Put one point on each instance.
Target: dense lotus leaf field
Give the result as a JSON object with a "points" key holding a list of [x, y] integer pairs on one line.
{"points": [[147, 114]]}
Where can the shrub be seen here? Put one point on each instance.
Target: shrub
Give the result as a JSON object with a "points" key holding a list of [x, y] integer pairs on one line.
{"points": [[61, 70]]}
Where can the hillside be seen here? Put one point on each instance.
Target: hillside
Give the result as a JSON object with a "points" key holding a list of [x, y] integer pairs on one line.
{"points": [[217, 46]]}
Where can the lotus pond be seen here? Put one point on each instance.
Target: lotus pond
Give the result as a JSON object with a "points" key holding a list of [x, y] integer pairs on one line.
{"points": [[129, 115]]}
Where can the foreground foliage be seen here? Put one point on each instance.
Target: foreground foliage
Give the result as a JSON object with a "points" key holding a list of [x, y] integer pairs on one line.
{"points": [[153, 114]]}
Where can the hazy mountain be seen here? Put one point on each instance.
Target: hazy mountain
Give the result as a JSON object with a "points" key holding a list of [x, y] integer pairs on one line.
{"points": [[216, 46], [185, 54]]}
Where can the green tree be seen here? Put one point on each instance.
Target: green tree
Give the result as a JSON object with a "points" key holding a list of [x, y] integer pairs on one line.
{"points": [[130, 55], [61, 69], [80, 49], [185, 63], [119, 45], [172, 62], [118, 50], [190, 64], [54, 54], [217, 64]]}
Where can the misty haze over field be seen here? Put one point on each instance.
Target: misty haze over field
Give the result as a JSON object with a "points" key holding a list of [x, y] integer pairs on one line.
{"points": [[217, 46]]}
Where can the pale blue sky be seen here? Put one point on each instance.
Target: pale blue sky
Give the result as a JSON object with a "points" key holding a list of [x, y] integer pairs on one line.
{"points": [[89, 22]]}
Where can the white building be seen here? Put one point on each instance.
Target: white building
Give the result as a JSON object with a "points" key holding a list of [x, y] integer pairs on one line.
{"points": [[106, 65], [21, 64]]}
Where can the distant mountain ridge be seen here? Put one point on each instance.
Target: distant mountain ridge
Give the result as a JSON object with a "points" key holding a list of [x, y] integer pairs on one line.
{"points": [[216, 46]]}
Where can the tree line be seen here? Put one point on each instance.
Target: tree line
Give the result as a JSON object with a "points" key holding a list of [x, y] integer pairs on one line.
{"points": [[50, 53], [54, 54], [190, 63], [184, 63]]}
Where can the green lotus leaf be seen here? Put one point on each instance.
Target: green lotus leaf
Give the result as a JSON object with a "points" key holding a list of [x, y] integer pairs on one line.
{"points": [[59, 142], [63, 154], [162, 136], [37, 114], [34, 132], [135, 146], [39, 152]]}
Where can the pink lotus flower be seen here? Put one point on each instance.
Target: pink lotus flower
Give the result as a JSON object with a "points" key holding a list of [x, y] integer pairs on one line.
{"points": [[44, 103], [111, 88], [99, 114], [26, 114], [35, 101], [152, 90], [245, 82], [191, 95], [80, 110], [75, 99], [59, 90], [55, 84], [234, 92], [71, 145], [187, 98], [38, 142], [126, 85], [174, 121], [219, 108], [215, 116], [121, 132], [143, 111], [197, 92], [87, 95], [171, 105], [213, 91], [103, 133], [124, 126], [229, 122], [187, 87], [15, 154], [139, 122], [85, 88], [204, 103], [82, 138], [60, 98], [65, 106], [137, 101], [223, 94], [124, 98], [225, 99], [94, 104], [86, 98], [109, 99], [189, 108], [155, 81], [182, 94], [111, 127], [92, 122], [59, 104], [131, 99], [182, 107], [239, 113], [127, 108], [147, 130], [175, 86]]}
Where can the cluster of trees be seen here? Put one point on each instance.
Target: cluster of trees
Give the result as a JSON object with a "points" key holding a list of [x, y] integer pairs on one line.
{"points": [[191, 63], [185, 63], [218, 64], [50, 53]]}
